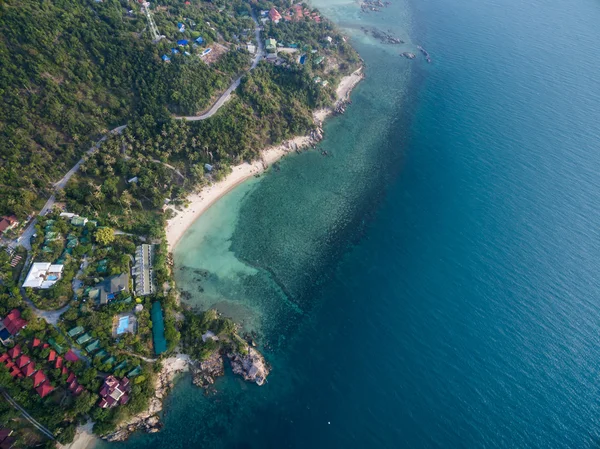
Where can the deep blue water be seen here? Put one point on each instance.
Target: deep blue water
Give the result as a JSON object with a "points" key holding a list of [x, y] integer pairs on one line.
{"points": [[453, 301]]}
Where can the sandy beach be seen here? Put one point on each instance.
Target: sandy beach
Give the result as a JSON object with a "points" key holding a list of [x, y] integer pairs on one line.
{"points": [[84, 438], [199, 202]]}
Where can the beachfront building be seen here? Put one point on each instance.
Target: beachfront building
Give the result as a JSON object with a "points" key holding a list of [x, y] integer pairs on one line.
{"points": [[43, 275], [142, 271], [114, 392]]}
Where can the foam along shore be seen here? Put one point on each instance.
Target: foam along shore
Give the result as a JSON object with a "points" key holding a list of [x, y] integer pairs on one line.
{"points": [[201, 201]]}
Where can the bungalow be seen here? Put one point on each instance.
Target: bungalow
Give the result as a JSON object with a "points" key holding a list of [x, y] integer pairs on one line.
{"points": [[274, 15], [14, 352], [165, 58], [29, 370], [70, 356], [75, 331], [11, 325], [7, 223], [44, 389], [114, 392], [271, 45], [199, 40], [22, 361], [39, 378]]}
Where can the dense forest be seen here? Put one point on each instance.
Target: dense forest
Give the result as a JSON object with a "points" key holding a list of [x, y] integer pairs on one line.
{"points": [[70, 70]]}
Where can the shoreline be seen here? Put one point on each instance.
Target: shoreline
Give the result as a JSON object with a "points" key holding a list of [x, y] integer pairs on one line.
{"points": [[200, 201]]}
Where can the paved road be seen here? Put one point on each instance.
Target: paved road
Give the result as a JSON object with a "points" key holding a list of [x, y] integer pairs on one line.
{"points": [[27, 416], [227, 94], [25, 239]]}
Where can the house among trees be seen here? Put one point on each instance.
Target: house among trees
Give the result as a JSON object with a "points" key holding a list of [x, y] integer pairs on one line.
{"points": [[274, 15], [7, 223], [6, 440], [114, 392], [11, 325], [108, 289], [43, 275]]}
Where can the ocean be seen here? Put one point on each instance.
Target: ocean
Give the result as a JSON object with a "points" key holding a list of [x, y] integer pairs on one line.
{"points": [[431, 283]]}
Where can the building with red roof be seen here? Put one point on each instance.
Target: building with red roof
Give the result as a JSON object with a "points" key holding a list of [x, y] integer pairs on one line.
{"points": [[114, 392], [36, 342], [39, 378], [64, 371], [44, 389], [71, 378], [15, 372], [58, 363], [13, 322], [6, 441], [14, 352], [274, 15], [4, 357], [52, 355], [29, 369], [23, 360], [71, 356], [8, 222]]}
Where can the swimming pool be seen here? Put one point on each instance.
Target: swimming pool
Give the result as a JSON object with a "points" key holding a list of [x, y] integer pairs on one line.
{"points": [[123, 325], [52, 277]]}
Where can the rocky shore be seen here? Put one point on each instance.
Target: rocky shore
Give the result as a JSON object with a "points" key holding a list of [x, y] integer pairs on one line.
{"points": [[251, 366], [148, 420]]}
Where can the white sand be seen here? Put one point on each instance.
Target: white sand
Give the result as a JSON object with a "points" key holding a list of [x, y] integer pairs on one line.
{"points": [[201, 201], [84, 438]]}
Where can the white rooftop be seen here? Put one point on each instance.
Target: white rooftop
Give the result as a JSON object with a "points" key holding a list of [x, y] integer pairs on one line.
{"points": [[43, 275]]}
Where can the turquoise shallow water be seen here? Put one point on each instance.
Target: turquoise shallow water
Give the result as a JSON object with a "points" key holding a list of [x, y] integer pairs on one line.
{"points": [[433, 283]]}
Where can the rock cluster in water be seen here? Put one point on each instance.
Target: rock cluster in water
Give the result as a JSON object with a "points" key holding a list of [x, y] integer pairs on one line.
{"points": [[252, 366]]}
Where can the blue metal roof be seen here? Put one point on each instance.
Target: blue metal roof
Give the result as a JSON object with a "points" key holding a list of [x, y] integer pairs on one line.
{"points": [[182, 42]]}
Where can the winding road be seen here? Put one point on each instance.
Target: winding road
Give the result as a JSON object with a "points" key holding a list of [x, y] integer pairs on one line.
{"points": [[227, 94], [25, 239]]}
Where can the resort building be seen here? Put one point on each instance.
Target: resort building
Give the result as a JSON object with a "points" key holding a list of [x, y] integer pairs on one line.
{"points": [[108, 289], [114, 392], [142, 271], [271, 45], [7, 223], [11, 325], [43, 275], [274, 15]]}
